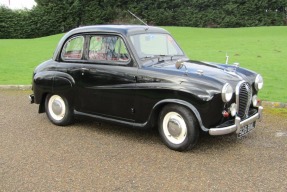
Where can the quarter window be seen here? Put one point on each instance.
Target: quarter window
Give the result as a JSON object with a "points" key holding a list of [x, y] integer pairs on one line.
{"points": [[73, 49], [107, 48]]}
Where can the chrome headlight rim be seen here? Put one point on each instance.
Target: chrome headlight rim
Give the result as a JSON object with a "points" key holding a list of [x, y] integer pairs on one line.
{"points": [[226, 92], [258, 82]]}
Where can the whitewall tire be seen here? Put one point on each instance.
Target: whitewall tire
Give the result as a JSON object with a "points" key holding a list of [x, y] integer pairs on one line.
{"points": [[178, 127], [58, 110]]}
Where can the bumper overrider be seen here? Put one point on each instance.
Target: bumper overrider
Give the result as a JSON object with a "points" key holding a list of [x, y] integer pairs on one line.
{"points": [[237, 125], [32, 98]]}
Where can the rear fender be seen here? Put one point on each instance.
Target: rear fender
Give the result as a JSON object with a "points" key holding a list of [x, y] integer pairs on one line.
{"points": [[63, 82], [51, 82]]}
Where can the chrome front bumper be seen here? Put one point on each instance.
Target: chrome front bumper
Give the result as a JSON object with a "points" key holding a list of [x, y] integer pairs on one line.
{"points": [[238, 124]]}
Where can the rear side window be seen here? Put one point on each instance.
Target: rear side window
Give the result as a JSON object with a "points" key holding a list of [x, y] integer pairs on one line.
{"points": [[73, 48], [108, 48]]}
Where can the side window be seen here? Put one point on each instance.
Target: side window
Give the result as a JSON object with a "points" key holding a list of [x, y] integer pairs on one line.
{"points": [[108, 48], [121, 50], [73, 49]]}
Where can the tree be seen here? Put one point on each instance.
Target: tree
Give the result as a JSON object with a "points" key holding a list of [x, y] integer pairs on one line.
{"points": [[52, 16]]}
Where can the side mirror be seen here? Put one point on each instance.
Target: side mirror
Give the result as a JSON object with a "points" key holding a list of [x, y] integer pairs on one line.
{"points": [[179, 64]]}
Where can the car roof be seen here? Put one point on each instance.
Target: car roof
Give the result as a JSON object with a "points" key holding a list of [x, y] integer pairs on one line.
{"points": [[122, 29]]}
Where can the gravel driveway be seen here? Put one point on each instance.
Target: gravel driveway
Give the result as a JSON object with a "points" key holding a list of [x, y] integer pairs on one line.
{"points": [[36, 155]]}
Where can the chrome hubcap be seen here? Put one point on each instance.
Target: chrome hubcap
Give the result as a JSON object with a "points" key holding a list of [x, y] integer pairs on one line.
{"points": [[174, 128], [57, 107]]}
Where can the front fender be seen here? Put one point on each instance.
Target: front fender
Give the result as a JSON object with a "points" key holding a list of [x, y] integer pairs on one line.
{"points": [[157, 107]]}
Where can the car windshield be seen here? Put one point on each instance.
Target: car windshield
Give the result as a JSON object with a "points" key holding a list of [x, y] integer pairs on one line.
{"points": [[151, 45]]}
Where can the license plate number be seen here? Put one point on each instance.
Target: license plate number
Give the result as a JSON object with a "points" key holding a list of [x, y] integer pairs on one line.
{"points": [[245, 130]]}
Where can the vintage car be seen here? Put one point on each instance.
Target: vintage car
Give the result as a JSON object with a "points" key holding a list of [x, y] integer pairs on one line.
{"points": [[138, 76]]}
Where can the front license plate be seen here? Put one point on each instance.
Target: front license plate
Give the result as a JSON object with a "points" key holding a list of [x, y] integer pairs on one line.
{"points": [[246, 129]]}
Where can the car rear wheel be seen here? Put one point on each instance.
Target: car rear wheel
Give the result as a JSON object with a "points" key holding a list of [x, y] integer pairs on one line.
{"points": [[178, 127], [58, 110]]}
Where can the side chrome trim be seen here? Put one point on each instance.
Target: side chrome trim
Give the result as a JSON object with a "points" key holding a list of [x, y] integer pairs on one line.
{"points": [[113, 120], [238, 124]]}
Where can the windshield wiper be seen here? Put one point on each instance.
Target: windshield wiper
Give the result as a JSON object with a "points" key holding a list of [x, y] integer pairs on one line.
{"points": [[160, 57], [146, 57], [154, 56], [171, 56]]}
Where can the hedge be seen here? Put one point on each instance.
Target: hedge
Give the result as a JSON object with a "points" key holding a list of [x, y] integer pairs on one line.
{"points": [[52, 16]]}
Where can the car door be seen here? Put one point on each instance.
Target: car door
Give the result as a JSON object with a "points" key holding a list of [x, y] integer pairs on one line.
{"points": [[108, 79]]}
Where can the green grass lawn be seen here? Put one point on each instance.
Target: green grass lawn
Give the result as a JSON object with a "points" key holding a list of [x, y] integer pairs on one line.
{"points": [[262, 49], [19, 57]]}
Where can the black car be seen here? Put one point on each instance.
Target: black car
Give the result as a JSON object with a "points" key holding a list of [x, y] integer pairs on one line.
{"points": [[138, 76]]}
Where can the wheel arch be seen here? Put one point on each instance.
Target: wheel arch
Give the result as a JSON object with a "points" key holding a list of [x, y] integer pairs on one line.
{"points": [[161, 104]]}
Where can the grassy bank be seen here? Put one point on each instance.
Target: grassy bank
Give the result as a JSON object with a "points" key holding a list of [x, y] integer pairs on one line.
{"points": [[262, 49]]}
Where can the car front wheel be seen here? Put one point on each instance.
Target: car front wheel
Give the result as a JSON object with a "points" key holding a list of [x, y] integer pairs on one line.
{"points": [[178, 127], [58, 110]]}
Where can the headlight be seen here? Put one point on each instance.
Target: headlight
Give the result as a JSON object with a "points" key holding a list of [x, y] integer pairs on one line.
{"points": [[226, 92], [258, 82]]}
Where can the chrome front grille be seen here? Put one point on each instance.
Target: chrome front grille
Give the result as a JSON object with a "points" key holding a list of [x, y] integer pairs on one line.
{"points": [[243, 98]]}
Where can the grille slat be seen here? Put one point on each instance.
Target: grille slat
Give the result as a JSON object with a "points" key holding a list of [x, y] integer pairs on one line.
{"points": [[244, 99]]}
